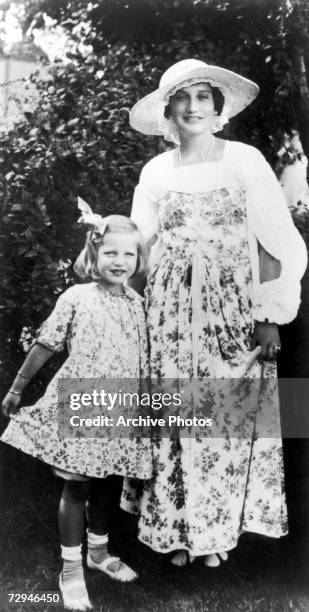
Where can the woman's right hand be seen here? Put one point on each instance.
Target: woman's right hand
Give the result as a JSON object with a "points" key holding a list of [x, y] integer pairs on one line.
{"points": [[10, 404]]}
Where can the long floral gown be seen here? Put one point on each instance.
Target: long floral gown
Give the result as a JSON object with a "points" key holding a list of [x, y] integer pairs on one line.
{"points": [[207, 490]]}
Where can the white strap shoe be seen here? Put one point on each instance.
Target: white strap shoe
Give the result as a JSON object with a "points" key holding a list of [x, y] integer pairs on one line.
{"points": [[81, 603], [182, 558], [123, 574], [215, 559]]}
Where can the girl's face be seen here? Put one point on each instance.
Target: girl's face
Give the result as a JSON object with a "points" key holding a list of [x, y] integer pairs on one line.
{"points": [[117, 258], [192, 109]]}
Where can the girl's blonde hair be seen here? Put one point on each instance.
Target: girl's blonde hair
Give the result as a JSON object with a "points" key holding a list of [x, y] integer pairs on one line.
{"points": [[86, 264]]}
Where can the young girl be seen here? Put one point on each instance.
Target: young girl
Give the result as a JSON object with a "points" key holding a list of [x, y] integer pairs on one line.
{"points": [[103, 324]]}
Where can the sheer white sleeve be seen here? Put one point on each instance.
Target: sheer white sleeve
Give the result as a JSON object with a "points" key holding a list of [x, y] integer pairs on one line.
{"points": [[270, 224], [145, 209], [145, 212]]}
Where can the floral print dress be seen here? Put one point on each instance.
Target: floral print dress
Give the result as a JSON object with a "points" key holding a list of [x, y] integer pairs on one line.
{"points": [[207, 490], [106, 338]]}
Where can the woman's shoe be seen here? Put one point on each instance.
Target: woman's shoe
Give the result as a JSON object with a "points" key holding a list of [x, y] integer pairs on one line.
{"points": [[123, 574], [214, 560], [80, 603], [182, 558]]}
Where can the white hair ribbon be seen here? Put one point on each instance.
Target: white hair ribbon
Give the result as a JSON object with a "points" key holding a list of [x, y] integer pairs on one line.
{"points": [[90, 218]]}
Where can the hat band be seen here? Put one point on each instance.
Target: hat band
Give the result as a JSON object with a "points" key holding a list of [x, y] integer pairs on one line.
{"points": [[228, 98]]}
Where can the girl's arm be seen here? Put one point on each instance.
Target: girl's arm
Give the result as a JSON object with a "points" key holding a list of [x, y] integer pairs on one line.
{"points": [[52, 337], [37, 356]]}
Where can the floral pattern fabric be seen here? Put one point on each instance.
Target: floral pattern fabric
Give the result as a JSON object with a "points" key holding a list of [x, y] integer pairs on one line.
{"points": [[106, 338], [207, 490]]}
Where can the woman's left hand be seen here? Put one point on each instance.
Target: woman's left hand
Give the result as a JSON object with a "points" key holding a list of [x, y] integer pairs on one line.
{"points": [[267, 336]]}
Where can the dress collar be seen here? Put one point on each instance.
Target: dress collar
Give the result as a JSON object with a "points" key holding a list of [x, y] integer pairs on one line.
{"points": [[127, 292]]}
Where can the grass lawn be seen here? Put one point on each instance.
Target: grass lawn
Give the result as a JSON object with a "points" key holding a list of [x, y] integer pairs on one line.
{"points": [[260, 575]]}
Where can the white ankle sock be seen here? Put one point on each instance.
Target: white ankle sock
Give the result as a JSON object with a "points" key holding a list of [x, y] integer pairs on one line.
{"points": [[96, 540], [71, 553], [72, 563], [96, 544]]}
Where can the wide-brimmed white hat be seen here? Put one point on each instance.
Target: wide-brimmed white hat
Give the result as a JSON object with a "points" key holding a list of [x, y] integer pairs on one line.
{"points": [[147, 115]]}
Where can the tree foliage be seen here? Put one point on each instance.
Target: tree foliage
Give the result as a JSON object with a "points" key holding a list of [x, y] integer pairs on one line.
{"points": [[78, 140]]}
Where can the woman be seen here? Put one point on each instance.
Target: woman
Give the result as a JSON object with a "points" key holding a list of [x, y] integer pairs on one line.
{"points": [[226, 268]]}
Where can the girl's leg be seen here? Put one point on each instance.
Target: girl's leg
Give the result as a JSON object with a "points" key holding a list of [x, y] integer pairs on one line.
{"points": [[71, 515], [103, 501], [103, 504], [104, 496], [71, 524]]}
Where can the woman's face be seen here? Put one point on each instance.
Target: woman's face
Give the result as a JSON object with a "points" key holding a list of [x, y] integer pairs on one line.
{"points": [[192, 109]]}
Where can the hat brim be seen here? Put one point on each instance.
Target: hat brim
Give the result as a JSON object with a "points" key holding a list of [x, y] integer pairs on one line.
{"points": [[146, 115]]}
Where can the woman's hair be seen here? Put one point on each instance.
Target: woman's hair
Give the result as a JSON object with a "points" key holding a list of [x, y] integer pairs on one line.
{"points": [[218, 99], [86, 264]]}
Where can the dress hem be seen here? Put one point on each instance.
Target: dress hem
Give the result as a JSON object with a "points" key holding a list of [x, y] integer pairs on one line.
{"points": [[212, 551], [134, 475]]}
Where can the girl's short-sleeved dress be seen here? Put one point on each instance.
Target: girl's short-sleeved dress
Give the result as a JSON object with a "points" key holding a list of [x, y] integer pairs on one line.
{"points": [[106, 338], [202, 296]]}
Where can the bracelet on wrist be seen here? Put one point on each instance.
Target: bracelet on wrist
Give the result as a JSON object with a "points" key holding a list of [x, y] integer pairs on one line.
{"points": [[14, 392], [19, 373]]}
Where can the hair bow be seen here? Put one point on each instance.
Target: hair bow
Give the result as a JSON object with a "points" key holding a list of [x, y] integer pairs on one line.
{"points": [[90, 218]]}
